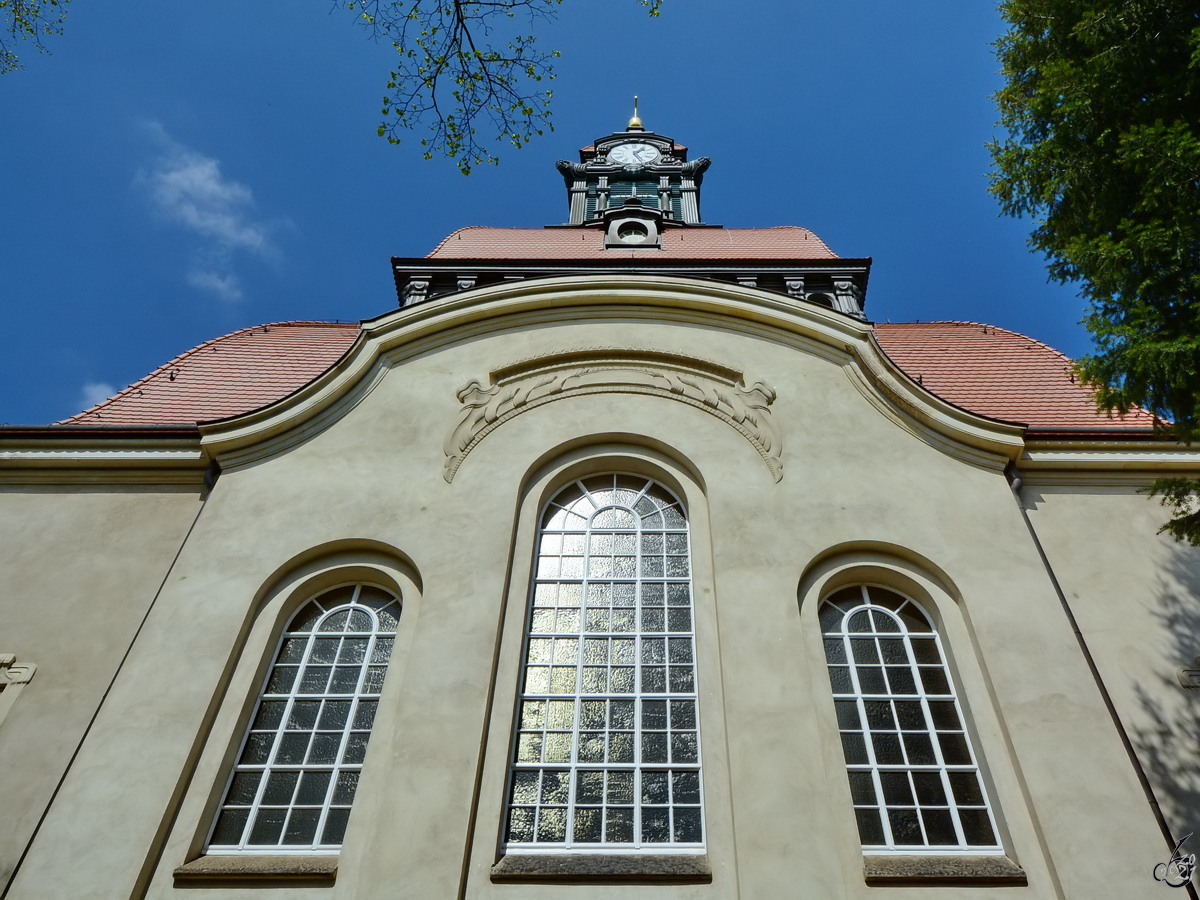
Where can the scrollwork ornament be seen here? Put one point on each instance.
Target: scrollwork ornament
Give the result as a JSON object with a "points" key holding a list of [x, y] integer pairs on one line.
{"points": [[717, 391]]}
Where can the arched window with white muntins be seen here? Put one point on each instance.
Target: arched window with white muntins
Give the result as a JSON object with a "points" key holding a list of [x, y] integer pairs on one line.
{"points": [[606, 753], [299, 763], [914, 776]]}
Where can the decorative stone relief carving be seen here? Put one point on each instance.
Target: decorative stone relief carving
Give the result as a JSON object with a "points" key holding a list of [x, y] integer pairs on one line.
{"points": [[1189, 676], [13, 678], [416, 291], [716, 390], [795, 287], [11, 673], [848, 296]]}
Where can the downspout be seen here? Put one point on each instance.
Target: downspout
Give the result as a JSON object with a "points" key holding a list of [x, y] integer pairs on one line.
{"points": [[1015, 482]]}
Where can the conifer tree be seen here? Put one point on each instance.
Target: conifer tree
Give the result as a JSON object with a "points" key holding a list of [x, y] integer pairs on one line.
{"points": [[1102, 107]]}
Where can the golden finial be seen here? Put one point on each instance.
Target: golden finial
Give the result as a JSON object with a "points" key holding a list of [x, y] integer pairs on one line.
{"points": [[635, 124]]}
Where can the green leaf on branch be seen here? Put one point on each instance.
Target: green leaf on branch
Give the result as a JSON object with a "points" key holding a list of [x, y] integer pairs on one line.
{"points": [[1182, 497], [465, 79], [27, 20]]}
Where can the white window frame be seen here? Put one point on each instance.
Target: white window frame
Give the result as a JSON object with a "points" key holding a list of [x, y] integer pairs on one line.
{"points": [[382, 607], [839, 654], [550, 551]]}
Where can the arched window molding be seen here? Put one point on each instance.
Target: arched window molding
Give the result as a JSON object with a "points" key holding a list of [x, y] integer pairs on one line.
{"points": [[297, 770], [606, 754], [931, 591], [269, 608], [913, 772]]}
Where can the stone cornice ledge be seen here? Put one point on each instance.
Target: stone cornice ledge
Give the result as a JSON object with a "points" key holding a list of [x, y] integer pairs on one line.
{"points": [[1114, 455], [76, 457], [589, 868], [229, 870], [977, 871]]}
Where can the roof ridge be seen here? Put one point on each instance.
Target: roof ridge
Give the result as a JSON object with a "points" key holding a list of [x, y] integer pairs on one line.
{"points": [[812, 234], [984, 325], [186, 354], [456, 231]]}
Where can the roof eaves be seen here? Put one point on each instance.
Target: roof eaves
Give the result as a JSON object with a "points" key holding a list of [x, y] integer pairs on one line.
{"points": [[619, 259], [1099, 432], [99, 432]]}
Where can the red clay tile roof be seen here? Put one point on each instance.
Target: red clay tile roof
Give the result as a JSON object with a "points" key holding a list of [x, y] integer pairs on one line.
{"points": [[226, 376], [483, 242], [988, 370], [997, 373]]}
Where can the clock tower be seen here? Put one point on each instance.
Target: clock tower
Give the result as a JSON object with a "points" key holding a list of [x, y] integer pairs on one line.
{"points": [[634, 183]]}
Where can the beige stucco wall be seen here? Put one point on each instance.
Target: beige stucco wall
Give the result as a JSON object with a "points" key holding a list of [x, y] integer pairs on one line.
{"points": [[80, 568], [859, 493], [1134, 593]]}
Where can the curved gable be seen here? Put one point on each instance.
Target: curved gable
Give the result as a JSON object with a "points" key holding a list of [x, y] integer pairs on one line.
{"points": [[423, 328]]}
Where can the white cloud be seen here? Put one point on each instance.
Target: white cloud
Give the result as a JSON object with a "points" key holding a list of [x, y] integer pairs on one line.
{"points": [[224, 284], [95, 392], [187, 188]]}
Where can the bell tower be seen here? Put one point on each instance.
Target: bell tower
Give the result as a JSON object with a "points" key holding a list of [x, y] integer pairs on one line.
{"points": [[634, 169]]}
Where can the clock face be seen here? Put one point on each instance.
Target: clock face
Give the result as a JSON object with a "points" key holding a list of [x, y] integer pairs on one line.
{"points": [[633, 154]]}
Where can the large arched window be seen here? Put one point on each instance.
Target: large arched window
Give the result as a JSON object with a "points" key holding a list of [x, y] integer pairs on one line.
{"points": [[913, 773], [607, 747], [299, 763]]}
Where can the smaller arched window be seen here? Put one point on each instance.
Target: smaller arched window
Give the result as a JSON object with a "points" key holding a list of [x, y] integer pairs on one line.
{"points": [[914, 776], [299, 762]]}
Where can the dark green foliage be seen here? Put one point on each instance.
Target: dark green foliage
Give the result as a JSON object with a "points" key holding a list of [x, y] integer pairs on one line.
{"points": [[1179, 496], [1102, 106], [27, 20]]}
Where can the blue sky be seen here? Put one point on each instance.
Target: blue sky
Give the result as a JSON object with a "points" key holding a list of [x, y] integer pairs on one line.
{"points": [[175, 171]]}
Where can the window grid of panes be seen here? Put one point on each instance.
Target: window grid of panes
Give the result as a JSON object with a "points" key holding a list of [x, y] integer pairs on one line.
{"points": [[298, 767], [913, 774], [644, 189], [607, 752]]}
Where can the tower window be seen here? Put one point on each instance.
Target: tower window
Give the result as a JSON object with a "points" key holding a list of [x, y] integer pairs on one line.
{"points": [[645, 190], [632, 232]]}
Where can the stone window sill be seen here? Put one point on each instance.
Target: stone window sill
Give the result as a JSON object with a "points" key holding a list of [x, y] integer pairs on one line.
{"points": [[592, 868], [942, 870], [236, 870]]}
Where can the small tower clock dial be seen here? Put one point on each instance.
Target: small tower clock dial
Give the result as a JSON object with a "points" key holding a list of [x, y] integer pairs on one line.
{"points": [[635, 154]]}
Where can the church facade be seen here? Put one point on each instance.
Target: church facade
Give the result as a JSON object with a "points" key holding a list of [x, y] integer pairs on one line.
{"points": [[625, 558]]}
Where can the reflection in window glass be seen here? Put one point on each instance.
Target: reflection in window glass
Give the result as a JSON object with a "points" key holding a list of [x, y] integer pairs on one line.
{"points": [[913, 773], [298, 767], [607, 750]]}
